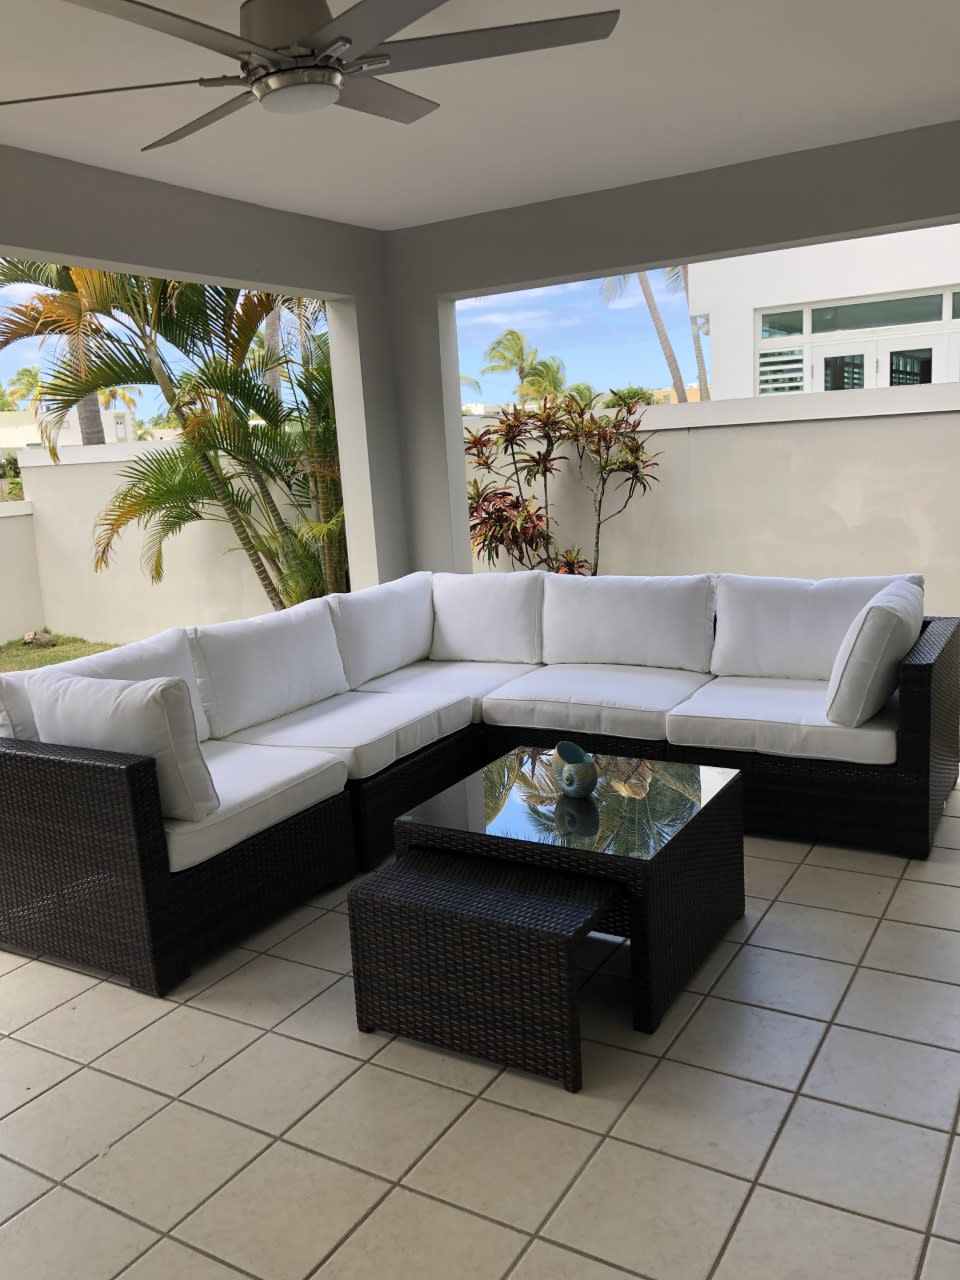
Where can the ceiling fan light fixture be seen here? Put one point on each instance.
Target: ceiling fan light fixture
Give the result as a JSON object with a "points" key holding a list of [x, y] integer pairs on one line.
{"points": [[298, 90]]}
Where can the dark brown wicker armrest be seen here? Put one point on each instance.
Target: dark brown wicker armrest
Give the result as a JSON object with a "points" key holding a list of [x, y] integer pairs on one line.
{"points": [[928, 740], [83, 855]]}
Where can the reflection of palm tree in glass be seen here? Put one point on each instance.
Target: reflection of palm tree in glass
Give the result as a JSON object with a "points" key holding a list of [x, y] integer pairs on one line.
{"points": [[642, 804]]}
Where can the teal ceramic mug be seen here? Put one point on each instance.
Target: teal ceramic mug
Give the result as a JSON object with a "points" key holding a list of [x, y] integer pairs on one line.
{"points": [[574, 770]]}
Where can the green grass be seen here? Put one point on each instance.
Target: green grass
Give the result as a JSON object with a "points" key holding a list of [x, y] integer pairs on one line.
{"points": [[17, 656]]}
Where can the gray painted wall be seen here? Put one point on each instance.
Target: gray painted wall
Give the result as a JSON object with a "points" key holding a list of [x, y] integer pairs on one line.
{"points": [[398, 402]]}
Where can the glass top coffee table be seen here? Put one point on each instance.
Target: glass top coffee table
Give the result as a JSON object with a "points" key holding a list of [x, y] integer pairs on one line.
{"points": [[670, 833]]}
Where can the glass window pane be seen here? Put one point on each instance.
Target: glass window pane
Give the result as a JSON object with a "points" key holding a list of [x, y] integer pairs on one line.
{"points": [[780, 324], [910, 367], [876, 315], [842, 373], [956, 306]]}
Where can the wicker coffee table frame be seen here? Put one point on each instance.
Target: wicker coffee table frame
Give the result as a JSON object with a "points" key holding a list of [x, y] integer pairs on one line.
{"points": [[476, 956], [677, 905]]}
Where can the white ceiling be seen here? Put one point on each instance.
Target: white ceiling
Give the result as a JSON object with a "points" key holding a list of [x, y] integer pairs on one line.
{"points": [[681, 85]]}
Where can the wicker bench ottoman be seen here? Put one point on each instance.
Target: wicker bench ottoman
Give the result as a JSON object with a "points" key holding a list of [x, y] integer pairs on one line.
{"points": [[476, 956]]}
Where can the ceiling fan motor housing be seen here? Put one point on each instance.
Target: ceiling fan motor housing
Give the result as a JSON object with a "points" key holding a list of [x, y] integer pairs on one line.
{"points": [[280, 24]]}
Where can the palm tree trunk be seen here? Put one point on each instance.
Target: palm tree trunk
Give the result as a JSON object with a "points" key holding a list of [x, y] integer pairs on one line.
{"points": [[666, 346], [697, 344], [272, 340], [91, 423]]}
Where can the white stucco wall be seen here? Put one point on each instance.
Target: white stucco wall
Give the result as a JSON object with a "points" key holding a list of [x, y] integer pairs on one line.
{"points": [[813, 499], [21, 607], [731, 290], [206, 580]]}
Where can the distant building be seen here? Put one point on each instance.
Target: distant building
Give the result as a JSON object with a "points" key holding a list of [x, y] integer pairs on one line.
{"points": [[667, 395], [881, 311], [21, 430]]}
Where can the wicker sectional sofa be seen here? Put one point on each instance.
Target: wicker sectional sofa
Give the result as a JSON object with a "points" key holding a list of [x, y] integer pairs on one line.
{"points": [[314, 728]]}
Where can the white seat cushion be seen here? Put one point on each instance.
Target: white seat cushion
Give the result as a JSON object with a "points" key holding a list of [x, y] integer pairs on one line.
{"points": [[632, 621], [472, 680], [138, 717], [385, 627], [367, 730], [780, 718], [488, 617], [16, 713], [258, 668], [787, 627], [866, 667], [258, 787], [624, 701], [164, 655]]}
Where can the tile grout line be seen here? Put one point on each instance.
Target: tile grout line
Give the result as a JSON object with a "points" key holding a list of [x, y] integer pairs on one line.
{"points": [[953, 1145]]}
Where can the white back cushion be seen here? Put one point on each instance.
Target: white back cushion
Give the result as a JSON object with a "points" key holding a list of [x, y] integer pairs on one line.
{"points": [[487, 617], [382, 628], [144, 718], [641, 622], [787, 627], [259, 668], [865, 671], [16, 714], [166, 654]]}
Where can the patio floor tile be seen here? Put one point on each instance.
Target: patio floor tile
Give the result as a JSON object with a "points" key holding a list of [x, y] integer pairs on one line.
{"points": [[865, 895], [33, 989], [909, 1007], [706, 1117], [380, 1121], [861, 861], [947, 834], [931, 904], [162, 1170], [942, 866], [610, 1079], [861, 1162], [212, 971], [503, 1164], [171, 1261], [176, 1052], [18, 1188], [764, 878], [790, 983], [455, 1070], [545, 1261], [273, 1083], [265, 991], [755, 910], [283, 1214], [94, 1021], [330, 1020], [743, 1040], [915, 950], [711, 969], [25, 1072], [942, 1261], [635, 1208], [810, 931], [64, 1235], [947, 1221], [779, 1236], [894, 1077], [70, 1124], [325, 943], [783, 850], [606, 1015], [409, 1237], [280, 929]]}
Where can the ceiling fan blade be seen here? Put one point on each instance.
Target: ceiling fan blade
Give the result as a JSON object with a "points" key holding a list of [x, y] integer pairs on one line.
{"points": [[174, 24], [369, 22], [495, 42], [202, 122], [377, 98], [213, 81]]}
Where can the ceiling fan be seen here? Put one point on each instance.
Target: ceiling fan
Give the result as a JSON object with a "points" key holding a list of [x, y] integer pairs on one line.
{"points": [[295, 56]]}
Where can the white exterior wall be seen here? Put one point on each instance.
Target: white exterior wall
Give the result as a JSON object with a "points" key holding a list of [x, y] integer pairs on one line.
{"points": [[817, 498], [21, 607], [731, 290], [20, 430], [206, 579]]}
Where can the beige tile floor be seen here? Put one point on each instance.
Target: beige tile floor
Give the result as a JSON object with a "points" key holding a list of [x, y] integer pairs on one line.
{"points": [[795, 1115]]}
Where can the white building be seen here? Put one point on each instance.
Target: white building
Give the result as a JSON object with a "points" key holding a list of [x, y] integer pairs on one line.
{"points": [[20, 429], [876, 312]]}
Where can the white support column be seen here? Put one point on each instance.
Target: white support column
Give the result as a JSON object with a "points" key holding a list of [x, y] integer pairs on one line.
{"points": [[370, 444]]}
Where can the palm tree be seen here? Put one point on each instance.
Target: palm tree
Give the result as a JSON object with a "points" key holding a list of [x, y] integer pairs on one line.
{"points": [[614, 286], [677, 278], [471, 383], [56, 311], [583, 392], [25, 385], [510, 354], [110, 397], [545, 379]]}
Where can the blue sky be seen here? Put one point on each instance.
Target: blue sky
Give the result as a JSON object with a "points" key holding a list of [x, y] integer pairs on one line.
{"points": [[605, 344]]}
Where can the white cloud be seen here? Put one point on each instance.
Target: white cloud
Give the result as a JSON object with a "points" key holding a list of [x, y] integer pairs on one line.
{"points": [[522, 295], [509, 319]]}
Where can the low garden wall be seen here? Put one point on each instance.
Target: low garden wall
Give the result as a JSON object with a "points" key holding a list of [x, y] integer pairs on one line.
{"points": [[21, 606]]}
